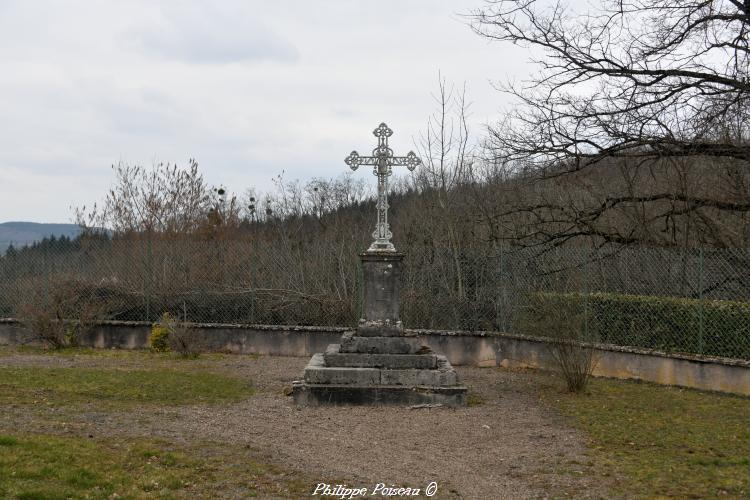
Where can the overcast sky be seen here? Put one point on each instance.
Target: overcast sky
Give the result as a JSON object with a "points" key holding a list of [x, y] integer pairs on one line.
{"points": [[248, 88]]}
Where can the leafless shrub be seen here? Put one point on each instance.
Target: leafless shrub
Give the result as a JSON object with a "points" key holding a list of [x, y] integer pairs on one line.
{"points": [[42, 325], [570, 338], [563, 316], [186, 341], [576, 362], [57, 313]]}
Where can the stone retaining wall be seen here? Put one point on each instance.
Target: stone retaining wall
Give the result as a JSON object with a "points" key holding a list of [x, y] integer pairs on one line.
{"points": [[461, 348]]}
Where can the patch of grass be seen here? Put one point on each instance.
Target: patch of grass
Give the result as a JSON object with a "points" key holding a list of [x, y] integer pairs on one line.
{"points": [[117, 386], [50, 467], [68, 352], [8, 441], [134, 355], [665, 441], [474, 399], [124, 354]]}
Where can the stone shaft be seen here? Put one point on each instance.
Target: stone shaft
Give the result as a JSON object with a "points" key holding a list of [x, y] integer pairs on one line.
{"points": [[380, 301]]}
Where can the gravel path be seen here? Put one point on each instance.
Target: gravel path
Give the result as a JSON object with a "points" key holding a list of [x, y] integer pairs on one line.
{"points": [[510, 445]]}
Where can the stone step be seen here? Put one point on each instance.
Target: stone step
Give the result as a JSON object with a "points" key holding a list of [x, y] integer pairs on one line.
{"points": [[350, 342], [443, 376], [334, 357], [306, 394], [317, 372]]}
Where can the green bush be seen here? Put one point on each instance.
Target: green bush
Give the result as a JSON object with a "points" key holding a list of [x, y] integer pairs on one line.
{"points": [[709, 327], [160, 332]]}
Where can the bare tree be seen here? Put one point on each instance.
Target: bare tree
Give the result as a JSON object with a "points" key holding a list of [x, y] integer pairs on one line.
{"points": [[163, 199], [445, 146], [651, 91]]}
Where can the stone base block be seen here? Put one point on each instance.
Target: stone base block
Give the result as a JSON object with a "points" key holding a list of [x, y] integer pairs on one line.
{"points": [[444, 375], [380, 329], [334, 357], [382, 345], [317, 372], [306, 394]]}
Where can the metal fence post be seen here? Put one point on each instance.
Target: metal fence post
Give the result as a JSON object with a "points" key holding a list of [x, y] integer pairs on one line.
{"points": [[701, 269], [47, 277], [149, 255], [586, 290], [500, 308], [253, 286]]}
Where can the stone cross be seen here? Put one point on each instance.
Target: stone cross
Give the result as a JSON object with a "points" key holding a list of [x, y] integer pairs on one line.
{"points": [[379, 363], [382, 160]]}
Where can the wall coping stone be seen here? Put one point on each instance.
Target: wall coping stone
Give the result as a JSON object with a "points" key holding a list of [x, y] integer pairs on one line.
{"points": [[440, 333]]}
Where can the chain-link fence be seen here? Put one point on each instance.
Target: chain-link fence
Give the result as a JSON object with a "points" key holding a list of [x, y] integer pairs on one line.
{"points": [[677, 300]]}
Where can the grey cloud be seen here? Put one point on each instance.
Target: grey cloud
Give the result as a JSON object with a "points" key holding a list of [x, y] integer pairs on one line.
{"points": [[210, 34], [143, 112], [84, 84]]}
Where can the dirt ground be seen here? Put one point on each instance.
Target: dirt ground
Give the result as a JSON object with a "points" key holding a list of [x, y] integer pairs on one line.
{"points": [[508, 444]]}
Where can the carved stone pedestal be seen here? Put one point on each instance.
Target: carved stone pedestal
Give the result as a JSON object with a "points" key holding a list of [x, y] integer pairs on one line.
{"points": [[378, 364]]}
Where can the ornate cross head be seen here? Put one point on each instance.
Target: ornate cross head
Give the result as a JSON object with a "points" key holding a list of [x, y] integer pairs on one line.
{"points": [[382, 160], [382, 155], [382, 131]]}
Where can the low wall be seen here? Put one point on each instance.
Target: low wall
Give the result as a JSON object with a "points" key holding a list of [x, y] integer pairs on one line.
{"points": [[461, 348], [698, 372], [238, 339]]}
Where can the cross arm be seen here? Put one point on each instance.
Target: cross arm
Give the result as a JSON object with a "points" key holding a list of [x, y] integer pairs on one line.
{"points": [[354, 160], [410, 161]]}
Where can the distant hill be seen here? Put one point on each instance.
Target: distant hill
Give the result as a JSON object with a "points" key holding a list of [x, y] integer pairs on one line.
{"points": [[26, 233]]}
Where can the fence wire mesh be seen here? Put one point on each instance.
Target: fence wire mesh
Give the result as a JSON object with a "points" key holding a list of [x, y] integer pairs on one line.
{"points": [[676, 300]]}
